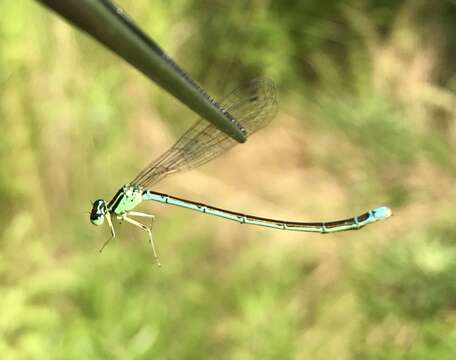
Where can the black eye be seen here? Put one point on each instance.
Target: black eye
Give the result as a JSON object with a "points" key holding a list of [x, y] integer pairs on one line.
{"points": [[98, 209]]}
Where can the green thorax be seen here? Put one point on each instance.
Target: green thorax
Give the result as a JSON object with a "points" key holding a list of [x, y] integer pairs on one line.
{"points": [[126, 199]]}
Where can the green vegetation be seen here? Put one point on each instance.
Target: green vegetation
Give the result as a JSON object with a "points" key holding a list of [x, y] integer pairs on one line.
{"points": [[367, 118]]}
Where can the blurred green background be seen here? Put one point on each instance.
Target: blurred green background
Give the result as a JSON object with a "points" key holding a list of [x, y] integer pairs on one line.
{"points": [[367, 118]]}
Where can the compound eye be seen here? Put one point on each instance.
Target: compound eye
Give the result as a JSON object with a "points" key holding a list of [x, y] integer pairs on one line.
{"points": [[98, 212]]}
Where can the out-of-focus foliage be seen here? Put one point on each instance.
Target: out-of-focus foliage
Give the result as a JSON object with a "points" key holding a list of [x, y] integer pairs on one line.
{"points": [[367, 117]]}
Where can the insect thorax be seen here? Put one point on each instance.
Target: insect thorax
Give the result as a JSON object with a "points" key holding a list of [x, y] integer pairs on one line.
{"points": [[126, 199]]}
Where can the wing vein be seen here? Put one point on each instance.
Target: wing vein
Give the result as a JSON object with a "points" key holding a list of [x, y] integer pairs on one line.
{"points": [[253, 106]]}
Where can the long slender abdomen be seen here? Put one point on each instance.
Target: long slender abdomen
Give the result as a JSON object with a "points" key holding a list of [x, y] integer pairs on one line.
{"points": [[354, 223]]}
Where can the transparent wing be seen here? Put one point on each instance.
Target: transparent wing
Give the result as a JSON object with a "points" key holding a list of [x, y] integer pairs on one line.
{"points": [[253, 106]]}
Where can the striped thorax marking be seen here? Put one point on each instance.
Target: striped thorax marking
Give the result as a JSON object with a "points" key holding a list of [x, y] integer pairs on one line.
{"points": [[126, 199]]}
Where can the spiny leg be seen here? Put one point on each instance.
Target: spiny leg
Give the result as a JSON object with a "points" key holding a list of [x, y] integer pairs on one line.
{"points": [[144, 227], [140, 214], [113, 233]]}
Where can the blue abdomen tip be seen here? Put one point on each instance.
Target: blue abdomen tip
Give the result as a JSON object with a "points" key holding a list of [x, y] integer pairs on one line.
{"points": [[382, 213]]}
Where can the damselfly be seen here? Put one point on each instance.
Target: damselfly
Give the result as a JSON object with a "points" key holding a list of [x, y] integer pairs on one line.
{"points": [[254, 106]]}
